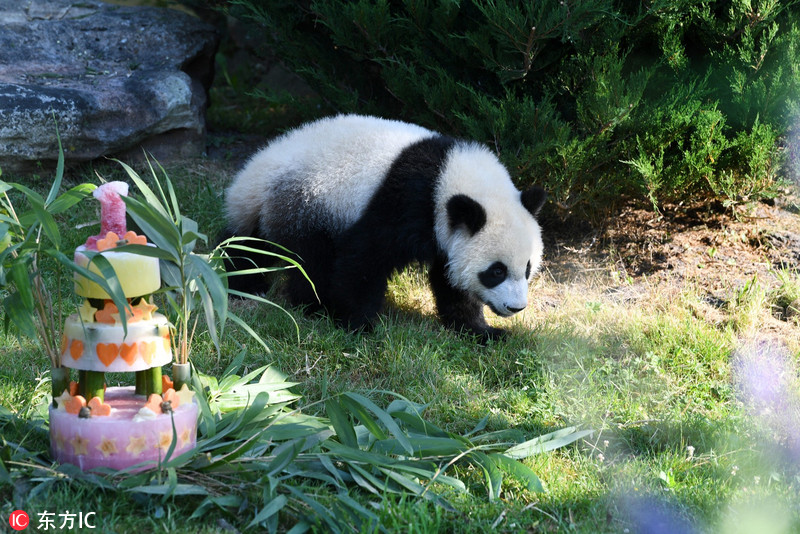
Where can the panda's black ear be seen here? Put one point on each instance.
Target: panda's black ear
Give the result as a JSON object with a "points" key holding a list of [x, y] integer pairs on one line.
{"points": [[463, 211], [533, 199]]}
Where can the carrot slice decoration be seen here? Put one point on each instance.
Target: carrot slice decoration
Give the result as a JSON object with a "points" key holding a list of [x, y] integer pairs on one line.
{"points": [[76, 349], [154, 403], [106, 315], [129, 352], [75, 404], [170, 395], [166, 383], [98, 407], [107, 352], [109, 241], [133, 239]]}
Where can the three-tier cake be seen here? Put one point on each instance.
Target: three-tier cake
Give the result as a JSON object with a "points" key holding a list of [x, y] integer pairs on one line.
{"points": [[119, 427]]}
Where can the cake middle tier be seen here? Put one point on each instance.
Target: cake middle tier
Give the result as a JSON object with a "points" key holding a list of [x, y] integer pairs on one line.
{"points": [[105, 347], [138, 275]]}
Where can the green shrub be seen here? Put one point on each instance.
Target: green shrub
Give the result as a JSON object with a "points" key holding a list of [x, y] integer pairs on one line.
{"points": [[597, 100]]}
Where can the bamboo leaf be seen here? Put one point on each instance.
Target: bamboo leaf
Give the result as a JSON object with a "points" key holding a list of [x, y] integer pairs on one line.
{"points": [[354, 399], [493, 475], [210, 314], [168, 490], [274, 506], [341, 423], [159, 228], [363, 415], [70, 198], [480, 426], [246, 327], [150, 198], [547, 442], [59, 170], [423, 446], [322, 513], [15, 311], [199, 267], [20, 278], [326, 462], [107, 279], [521, 471], [418, 424], [284, 454]]}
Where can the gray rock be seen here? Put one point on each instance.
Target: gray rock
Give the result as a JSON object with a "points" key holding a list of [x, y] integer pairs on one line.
{"points": [[115, 79]]}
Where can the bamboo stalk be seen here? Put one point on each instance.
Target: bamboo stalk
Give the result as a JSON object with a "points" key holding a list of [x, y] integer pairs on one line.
{"points": [[95, 382], [141, 381], [82, 382], [153, 381], [60, 381]]}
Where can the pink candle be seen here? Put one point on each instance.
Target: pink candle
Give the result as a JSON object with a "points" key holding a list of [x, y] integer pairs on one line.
{"points": [[112, 211]]}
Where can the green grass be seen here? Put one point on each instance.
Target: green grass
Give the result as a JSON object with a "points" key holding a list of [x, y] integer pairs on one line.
{"points": [[673, 441]]}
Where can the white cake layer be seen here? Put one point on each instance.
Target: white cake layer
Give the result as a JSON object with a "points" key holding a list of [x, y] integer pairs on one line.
{"points": [[105, 347], [138, 275]]}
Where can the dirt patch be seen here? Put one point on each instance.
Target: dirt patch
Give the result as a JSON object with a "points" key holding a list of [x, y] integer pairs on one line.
{"points": [[716, 252]]}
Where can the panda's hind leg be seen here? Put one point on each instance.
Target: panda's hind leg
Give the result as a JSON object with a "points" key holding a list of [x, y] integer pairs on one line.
{"points": [[456, 308], [358, 282], [310, 287]]}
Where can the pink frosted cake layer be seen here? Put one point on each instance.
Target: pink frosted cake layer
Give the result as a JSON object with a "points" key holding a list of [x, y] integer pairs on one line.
{"points": [[116, 440]]}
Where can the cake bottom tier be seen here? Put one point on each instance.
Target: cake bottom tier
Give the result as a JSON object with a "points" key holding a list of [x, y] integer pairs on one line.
{"points": [[116, 440]]}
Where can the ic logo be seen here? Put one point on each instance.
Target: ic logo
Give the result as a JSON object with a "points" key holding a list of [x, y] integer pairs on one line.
{"points": [[19, 520]]}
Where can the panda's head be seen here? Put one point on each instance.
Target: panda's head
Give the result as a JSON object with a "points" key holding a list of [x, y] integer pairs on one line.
{"points": [[488, 230]]}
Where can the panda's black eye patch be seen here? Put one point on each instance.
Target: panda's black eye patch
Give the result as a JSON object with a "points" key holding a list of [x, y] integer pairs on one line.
{"points": [[528, 271], [494, 275]]}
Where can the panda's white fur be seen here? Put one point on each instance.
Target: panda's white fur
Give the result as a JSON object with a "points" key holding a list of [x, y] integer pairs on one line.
{"points": [[357, 197], [511, 235], [340, 161]]}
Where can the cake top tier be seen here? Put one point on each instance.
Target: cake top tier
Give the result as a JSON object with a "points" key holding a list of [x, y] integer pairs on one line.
{"points": [[138, 275]]}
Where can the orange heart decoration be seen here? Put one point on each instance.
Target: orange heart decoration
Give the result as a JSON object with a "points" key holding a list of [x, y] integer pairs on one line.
{"points": [[129, 353], [76, 349], [170, 395], [99, 407], [74, 404], [154, 403], [107, 352], [147, 349]]}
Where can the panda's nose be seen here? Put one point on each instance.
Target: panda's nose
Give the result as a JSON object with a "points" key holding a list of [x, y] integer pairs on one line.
{"points": [[514, 310]]}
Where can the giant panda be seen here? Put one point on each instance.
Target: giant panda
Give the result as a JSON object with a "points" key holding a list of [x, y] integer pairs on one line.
{"points": [[359, 197]]}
